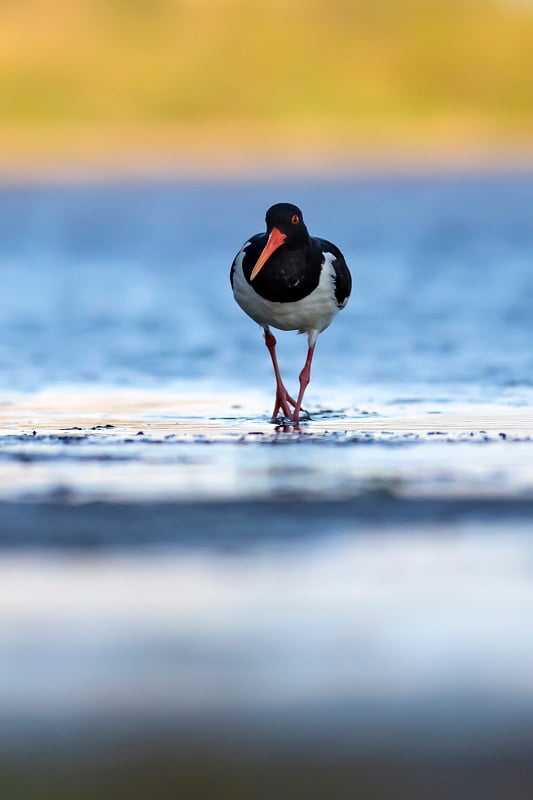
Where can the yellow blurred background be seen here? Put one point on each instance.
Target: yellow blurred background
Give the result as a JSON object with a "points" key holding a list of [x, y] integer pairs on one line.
{"points": [[219, 82]]}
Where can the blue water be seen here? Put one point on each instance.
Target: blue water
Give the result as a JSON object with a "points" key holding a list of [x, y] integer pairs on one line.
{"points": [[127, 284]]}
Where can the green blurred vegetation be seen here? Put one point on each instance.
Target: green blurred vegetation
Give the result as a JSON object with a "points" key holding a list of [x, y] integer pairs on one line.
{"points": [[340, 67]]}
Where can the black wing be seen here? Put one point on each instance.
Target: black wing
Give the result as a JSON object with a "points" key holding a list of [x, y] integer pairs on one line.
{"points": [[343, 279], [255, 244]]}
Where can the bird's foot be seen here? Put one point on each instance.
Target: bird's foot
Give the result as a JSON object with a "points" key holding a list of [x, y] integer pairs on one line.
{"points": [[283, 404], [289, 420], [281, 419], [283, 413]]}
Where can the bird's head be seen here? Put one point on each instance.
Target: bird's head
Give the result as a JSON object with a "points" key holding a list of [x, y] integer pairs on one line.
{"points": [[285, 226]]}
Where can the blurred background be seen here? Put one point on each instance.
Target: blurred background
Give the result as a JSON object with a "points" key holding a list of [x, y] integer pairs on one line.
{"points": [[192, 604], [132, 84]]}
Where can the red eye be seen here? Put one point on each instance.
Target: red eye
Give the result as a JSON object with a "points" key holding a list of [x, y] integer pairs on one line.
{"points": [[295, 219]]}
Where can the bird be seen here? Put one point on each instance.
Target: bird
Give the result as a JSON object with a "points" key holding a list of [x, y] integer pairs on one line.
{"points": [[289, 280]]}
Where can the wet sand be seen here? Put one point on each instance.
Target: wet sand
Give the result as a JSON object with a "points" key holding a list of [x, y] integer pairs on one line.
{"points": [[130, 446], [197, 414]]}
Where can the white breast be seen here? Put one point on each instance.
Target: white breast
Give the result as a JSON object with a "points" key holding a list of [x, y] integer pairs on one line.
{"points": [[313, 313]]}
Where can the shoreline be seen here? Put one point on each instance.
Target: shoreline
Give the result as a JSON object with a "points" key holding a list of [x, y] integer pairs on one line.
{"points": [[166, 449]]}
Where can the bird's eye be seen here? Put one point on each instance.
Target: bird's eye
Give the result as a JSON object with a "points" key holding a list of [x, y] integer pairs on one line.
{"points": [[295, 219]]}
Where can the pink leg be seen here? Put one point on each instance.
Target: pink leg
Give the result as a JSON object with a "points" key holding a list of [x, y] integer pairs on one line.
{"points": [[283, 398], [305, 377]]}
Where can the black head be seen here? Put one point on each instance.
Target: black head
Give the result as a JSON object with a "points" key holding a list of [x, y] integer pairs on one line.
{"points": [[285, 228], [288, 219]]}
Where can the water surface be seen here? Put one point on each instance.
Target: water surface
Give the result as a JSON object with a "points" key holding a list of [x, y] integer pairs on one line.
{"points": [[128, 284]]}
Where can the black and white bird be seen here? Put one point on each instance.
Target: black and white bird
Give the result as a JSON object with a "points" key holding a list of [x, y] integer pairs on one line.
{"points": [[287, 279]]}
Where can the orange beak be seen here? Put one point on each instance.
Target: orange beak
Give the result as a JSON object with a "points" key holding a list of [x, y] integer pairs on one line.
{"points": [[275, 240]]}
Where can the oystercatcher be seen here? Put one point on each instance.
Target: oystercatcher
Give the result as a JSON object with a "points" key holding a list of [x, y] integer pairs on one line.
{"points": [[287, 279]]}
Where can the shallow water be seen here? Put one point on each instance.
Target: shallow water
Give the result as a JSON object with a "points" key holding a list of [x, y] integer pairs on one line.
{"points": [[128, 284], [168, 555]]}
